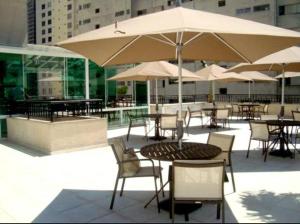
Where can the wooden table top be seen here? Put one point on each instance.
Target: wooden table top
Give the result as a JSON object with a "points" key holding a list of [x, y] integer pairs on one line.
{"points": [[169, 151]]}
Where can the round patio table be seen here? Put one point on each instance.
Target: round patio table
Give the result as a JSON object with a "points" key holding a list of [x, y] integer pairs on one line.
{"points": [[169, 151], [213, 113], [249, 109]]}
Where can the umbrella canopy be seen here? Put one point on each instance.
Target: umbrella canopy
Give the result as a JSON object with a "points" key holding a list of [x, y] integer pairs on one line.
{"points": [[181, 33], [201, 34], [152, 71], [282, 61], [256, 76], [288, 75]]}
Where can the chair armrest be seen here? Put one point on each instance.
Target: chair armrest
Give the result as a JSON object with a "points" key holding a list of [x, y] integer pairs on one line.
{"points": [[141, 160]]}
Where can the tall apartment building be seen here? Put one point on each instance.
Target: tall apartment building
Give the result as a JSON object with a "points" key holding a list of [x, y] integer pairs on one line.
{"points": [[61, 19]]}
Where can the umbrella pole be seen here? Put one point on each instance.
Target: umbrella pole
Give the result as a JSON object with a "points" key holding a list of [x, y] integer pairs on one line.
{"points": [[213, 91], [180, 122], [148, 96], [282, 92], [249, 90], [156, 96]]}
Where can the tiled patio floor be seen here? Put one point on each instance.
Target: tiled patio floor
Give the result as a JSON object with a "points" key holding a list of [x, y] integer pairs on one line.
{"points": [[77, 186]]}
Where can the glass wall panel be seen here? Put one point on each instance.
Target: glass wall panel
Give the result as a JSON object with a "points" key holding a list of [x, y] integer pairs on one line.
{"points": [[97, 81], [111, 85], [11, 79], [75, 78], [44, 77], [141, 93]]}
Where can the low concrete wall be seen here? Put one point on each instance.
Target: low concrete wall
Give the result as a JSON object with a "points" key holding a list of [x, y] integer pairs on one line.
{"points": [[61, 136]]}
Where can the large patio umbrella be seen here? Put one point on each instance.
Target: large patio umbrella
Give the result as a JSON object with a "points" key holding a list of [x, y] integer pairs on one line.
{"points": [[281, 61], [179, 34], [152, 71], [256, 77], [215, 73]]}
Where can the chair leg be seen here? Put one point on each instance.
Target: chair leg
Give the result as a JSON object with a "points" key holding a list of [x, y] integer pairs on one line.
{"points": [[172, 210], [188, 125], [161, 180], [232, 178], [218, 210], [122, 188], [128, 132], [266, 151], [223, 211], [248, 148], [156, 193], [146, 135], [115, 191]]}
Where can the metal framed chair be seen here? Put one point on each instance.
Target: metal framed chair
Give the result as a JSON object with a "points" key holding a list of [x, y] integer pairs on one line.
{"points": [[195, 181], [236, 110], [136, 122], [169, 122], [225, 142], [129, 166], [222, 115], [260, 132], [195, 114], [296, 117]]}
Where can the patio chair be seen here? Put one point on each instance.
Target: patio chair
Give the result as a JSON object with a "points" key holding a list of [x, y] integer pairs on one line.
{"points": [[262, 110], [129, 166], [169, 122], [195, 114], [222, 115], [136, 122], [267, 117], [260, 132], [225, 142], [195, 181], [296, 117], [235, 111]]}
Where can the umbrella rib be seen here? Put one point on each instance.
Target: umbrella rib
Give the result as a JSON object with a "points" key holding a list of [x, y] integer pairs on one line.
{"points": [[193, 38], [160, 40], [231, 47], [121, 50], [168, 39]]}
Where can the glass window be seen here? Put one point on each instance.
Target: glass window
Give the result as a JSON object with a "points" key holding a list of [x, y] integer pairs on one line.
{"points": [[142, 12], [75, 78], [128, 11], [43, 73], [49, 39], [49, 30], [43, 23], [70, 16], [69, 34], [221, 3], [97, 10], [43, 32], [119, 13], [80, 7], [86, 6], [69, 7], [260, 8], [49, 21], [243, 10], [11, 80], [49, 13], [86, 21], [69, 25], [43, 15], [292, 9], [43, 6], [97, 26], [43, 40]]}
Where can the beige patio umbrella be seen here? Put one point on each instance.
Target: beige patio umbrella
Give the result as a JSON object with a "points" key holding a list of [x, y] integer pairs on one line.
{"points": [[256, 77], [215, 73], [181, 33], [152, 71], [288, 75], [281, 61]]}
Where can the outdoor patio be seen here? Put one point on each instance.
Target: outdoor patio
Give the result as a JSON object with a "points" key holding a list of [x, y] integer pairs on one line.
{"points": [[77, 186]]}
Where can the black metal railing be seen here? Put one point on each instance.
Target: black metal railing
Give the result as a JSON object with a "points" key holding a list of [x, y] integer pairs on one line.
{"points": [[49, 109], [264, 98]]}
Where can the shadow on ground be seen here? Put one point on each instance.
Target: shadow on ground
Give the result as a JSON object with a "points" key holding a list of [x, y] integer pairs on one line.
{"points": [[93, 206], [270, 207]]}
